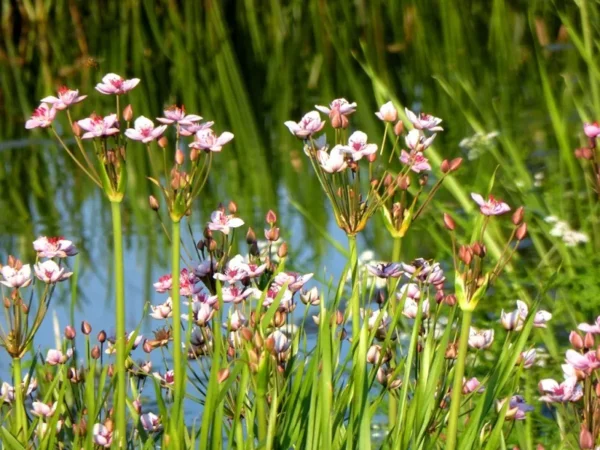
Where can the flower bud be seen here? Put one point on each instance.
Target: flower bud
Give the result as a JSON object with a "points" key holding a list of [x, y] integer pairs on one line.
{"points": [[521, 231], [232, 207], [517, 216], [271, 217], [479, 249], [163, 142], [250, 236], [445, 166], [153, 202], [588, 340], [102, 337], [586, 441], [76, 129], [179, 157], [86, 328], [450, 300], [399, 128], [194, 154], [282, 251], [222, 375], [597, 389], [70, 332], [272, 234], [207, 233], [95, 352], [455, 164], [25, 308], [147, 347], [451, 351], [423, 180], [128, 113], [576, 340], [449, 222], [372, 157]]}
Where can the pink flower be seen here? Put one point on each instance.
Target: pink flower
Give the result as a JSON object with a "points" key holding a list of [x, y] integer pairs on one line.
{"points": [[379, 320], [162, 311], [167, 379], [587, 328], [49, 272], [385, 270], [55, 357], [41, 409], [310, 124], [114, 84], [540, 318], [206, 139], [163, 284], [586, 362], [411, 308], [357, 146], [294, 280], [417, 162], [66, 97], [98, 126], [219, 221], [280, 341], [471, 385], [102, 435], [480, 339], [193, 128], [423, 121], [42, 117], [54, 247], [490, 207], [567, 391], [517, 408], [424, 271], [144, 130], [416, 141], [176, 114], [339, 104], [410, 290], [202, 313], [310, 297], [187, 283], [205, 268], [150, 422], [333, 161], [7, 393], [387, 112], [527, 358], [515, 320], [236, 321], [272, 293], [16, 278], [591, 130], [232, 294]]}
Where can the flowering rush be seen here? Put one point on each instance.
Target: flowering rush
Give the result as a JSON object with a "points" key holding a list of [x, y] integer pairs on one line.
{"points": [[66, 97], [219, 221], [207, 140], [491, 206], [42, 117], [176, 114], [310, 124], [341, 105], [54, 247], [97, 126], [423, 121], [144, 130], [114, 84]]}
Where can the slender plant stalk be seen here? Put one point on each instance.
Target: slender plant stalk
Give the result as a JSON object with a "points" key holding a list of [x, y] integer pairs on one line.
{"points": [[459, 371], [588, 40], [21, 417], [354, 299], [120, 319], [177, 413], [393, 402]]}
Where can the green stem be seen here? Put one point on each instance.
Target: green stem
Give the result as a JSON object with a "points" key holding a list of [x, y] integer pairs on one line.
{"points": [[589, 49], [355, 298], [21, 416], [459, 371], [177, 413], [393, 401], [121, 419]]}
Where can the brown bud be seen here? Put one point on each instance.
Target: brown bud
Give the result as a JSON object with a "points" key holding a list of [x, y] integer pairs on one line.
{"points": [[272, 234], [128, 113], [388, 180], [576, 340], [445, 166], [586, 153], [282, 251], [207, 233], [465, 254], [86, 328], [479, 249], [399, 128], [598, 352], [76, 129], [271, 217], [25, 308], [247, 334], [163, 142], [222, 375], [451, 351], [336, 119], [517, 216], [521, 231], [339, 317], [254, 250], [232, 207], [153, 202], [449, 222], [586, 440], [102, 337], [372, 157], [250, 236], [450, 300], [212, 245], [70, 332], [588, 340], [194, 154], [6, 303], [455, 164], [179, 157], [423, 180], [95, 352], [597, 389], [111, 370]]}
